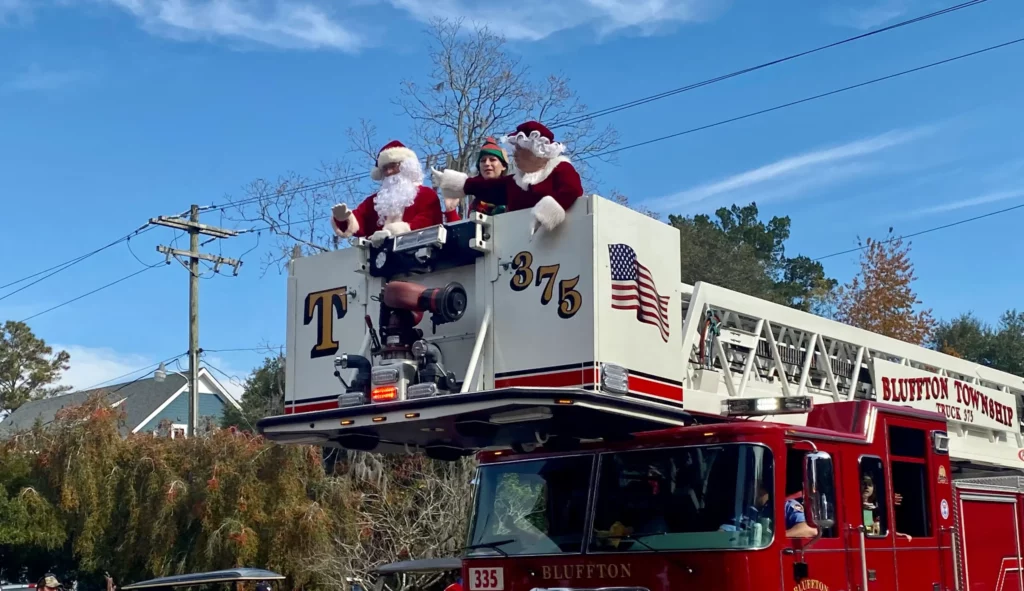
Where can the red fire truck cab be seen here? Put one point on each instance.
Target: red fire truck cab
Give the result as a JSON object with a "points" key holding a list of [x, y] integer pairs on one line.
{"points": [[705, 507]]}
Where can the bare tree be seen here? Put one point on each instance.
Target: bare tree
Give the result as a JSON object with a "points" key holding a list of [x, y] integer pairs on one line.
{"points": [[475, 88], [296, 210], [618, 197], [399, 508]]}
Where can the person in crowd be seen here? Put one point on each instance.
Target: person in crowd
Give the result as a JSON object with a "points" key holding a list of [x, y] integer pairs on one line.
{"points": [[49, 582]]}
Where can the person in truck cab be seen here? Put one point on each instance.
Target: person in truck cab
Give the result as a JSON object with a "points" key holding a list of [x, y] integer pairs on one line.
{"points": [[795, 520]]}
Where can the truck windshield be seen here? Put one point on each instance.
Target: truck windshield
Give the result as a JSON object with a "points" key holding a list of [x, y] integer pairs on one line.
{"points": [[531, 507], [687, 498]]}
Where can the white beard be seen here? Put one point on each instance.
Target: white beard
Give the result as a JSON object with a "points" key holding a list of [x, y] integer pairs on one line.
{"points": [[397, 192]]}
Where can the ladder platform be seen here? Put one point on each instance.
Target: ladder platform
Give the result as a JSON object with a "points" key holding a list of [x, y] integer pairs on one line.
{"points": [[458, 425]]}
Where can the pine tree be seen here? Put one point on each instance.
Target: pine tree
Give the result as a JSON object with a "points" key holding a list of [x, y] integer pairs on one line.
{"points": [[28, 367]]}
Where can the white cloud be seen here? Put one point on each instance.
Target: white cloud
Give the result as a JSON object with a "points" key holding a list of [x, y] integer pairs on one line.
{"points": [[867, 15], [317, 24], [96, 366], [11, 10], [532, 20], [965, 203], [37, 79], [810, 169], [92, 366], [280, 23]]}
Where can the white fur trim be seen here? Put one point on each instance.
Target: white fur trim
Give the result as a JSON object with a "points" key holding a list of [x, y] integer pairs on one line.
{"points": [[392, 155], [549, 213], [376, 173], [541, 146], [396, 228], [353, 227], [525, 179], [452, 183]]}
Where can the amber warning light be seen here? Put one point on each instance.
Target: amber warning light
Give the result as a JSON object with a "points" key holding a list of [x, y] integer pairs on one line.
{"points": [[384, 394]]}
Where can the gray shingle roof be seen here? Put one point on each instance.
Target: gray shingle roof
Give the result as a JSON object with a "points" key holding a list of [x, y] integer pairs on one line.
{"points": [[141, 398]]}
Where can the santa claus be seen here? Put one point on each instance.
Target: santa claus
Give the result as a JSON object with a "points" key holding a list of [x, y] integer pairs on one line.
{"points": [[545, 181], [402, 204]]}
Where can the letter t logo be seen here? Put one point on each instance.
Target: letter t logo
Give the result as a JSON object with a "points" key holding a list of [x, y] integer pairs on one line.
{"points": [[329, 302]]}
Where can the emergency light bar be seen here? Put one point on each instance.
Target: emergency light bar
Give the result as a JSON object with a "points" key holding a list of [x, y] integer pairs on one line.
{"points": [[433, 236], [776, 405]]}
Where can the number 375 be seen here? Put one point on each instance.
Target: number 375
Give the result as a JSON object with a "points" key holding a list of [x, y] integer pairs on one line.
{"points": [[569, 300]]}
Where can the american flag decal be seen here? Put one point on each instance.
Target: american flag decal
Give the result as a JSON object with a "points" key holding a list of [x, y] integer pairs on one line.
{"points": [[633, 289]]}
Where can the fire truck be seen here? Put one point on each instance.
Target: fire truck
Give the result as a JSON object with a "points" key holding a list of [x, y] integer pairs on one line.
{"points": [[636, 432]]}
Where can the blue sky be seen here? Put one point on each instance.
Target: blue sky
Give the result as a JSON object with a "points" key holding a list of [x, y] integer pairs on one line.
{"points": [[114, 111]]}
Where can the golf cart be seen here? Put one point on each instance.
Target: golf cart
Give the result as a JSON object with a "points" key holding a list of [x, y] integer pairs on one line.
{"points": [[429, 574], [260, 577]]}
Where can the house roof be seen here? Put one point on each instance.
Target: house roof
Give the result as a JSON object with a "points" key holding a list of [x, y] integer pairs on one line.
{"points": [[139, 399]]}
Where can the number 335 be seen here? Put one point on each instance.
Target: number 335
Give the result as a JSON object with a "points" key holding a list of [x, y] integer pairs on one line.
{"points": [[569, 300]]}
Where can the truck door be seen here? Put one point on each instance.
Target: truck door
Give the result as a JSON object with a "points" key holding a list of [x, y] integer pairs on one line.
{"points": [[920, 561], [875, 560], [826, 558]]}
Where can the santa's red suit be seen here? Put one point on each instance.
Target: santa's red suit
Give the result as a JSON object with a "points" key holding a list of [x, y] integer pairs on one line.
{"points": [[401, 205], [425, 211], [549, 192]]}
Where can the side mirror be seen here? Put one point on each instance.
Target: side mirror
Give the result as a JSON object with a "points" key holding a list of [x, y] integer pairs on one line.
{"points": [[819, 490]]}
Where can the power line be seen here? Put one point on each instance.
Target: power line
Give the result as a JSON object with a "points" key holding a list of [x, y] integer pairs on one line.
{"points": [[928, 231], [810, 98], [731, 119], [266, 348], [133, 372], [69, 263], [98, 289], [646, 99], [647, 142], [682, 89]]}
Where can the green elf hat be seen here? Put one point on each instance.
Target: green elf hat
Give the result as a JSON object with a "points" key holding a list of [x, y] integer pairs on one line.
{"points": [[491, 148]]}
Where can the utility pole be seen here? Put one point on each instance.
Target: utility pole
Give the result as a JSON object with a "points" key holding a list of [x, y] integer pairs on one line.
{"points": [[193, 256]]}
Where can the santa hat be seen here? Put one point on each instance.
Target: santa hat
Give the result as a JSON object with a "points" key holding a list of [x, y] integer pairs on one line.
{"points": [[491, 148], [536, 138], [392, 152]]}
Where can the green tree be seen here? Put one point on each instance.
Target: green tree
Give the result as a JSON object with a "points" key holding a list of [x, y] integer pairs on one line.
{"points": [[28, 366], [738, 251], [968, 337], [263, 396]]}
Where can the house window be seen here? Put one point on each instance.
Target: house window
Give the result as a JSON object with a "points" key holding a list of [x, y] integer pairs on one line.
{"points": [[179, 431]]}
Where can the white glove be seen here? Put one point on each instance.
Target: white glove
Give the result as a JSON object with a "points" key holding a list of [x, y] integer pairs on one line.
{"points": [[340, 212], [435, 177], [378, 237], [451, 203]]}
